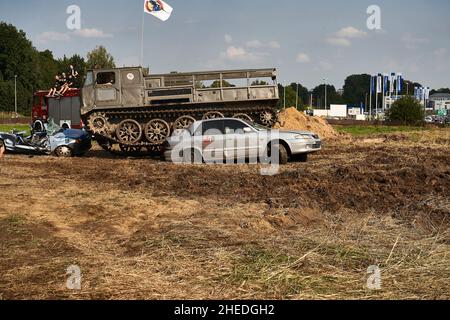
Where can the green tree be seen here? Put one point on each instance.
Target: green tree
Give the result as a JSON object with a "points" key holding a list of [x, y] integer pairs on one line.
{"points": [[19, 57], [259, 83], [225, 84], [99, 58], [408, 87], [78, 64], [332, 96], [442, 90], [355, 89], [407, 109], [303, 94], [290, 97]]}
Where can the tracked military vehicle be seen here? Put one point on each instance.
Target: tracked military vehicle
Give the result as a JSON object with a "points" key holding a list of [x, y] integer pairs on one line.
{"points": [[135, 111]]}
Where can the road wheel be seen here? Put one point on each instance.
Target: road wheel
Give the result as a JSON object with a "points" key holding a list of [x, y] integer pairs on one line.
{"points": [[268, 118], [183, 122], [98, 123], [157, 131], [64, 152], [213, 115], [129, 132]]}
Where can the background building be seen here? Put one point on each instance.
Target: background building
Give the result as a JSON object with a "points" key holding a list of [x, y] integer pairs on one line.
{"points": [[440, 101]]}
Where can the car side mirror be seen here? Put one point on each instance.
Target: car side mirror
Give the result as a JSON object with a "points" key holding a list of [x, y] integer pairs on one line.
{"points": [[247, 130]]}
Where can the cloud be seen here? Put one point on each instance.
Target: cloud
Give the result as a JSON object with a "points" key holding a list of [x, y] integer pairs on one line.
{"points": [[274, 45], [350, 33], [255, 44], [325, 65], [91, 33], [343, 36], [51, 36], [228, 39], [412, 42], [340, 42], [240, 54], [441, 52], [303, 58]]}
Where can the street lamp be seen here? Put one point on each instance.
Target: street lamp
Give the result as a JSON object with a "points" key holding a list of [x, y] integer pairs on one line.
{"points": [[326, 105], [15, 95], [296, 98]]}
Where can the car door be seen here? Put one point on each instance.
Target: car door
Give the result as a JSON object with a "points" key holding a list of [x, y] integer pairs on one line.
{"points": [[107, 89], [241, 140], [212, 140]]}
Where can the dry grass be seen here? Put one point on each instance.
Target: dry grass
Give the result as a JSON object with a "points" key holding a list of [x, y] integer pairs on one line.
{"points": [[140, 229]]}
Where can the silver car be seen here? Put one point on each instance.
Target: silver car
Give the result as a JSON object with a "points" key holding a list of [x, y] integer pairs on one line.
{"points": [[227, 140]]}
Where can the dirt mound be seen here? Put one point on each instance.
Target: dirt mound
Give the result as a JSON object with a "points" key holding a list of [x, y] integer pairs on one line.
{"points": [[292, 119]]}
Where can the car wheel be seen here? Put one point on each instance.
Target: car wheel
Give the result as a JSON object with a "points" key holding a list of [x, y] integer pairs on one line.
{"points": [[276, 148], [64, 152], [284, 157]]}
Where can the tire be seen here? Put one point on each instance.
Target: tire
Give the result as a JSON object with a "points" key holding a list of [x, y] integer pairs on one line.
{"points": [[64, 152], [282, 152], [284, 157]]}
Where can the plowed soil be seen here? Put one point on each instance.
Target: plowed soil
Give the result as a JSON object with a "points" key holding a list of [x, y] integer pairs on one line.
{"points": [[139, 228]]}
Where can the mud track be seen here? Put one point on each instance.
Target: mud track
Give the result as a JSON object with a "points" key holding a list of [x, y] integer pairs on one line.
{"points": [[140, 228]]}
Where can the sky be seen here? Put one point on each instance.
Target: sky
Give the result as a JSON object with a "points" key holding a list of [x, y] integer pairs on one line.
{"points": [[310, 42]]}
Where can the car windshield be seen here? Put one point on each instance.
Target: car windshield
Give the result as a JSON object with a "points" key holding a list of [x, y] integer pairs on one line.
{"points": [[52, 127], [257, 126]]}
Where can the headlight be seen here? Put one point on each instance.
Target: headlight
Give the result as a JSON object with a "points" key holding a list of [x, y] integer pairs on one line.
{"points": [[303, 136]]}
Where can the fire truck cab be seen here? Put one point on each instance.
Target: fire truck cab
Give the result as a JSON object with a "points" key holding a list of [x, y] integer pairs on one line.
{"points": [[65, 110]]}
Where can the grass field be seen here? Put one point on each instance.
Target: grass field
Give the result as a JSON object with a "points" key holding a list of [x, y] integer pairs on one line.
{"points": [[373, 130], [139, 228], [7, 115], [9, 127]]}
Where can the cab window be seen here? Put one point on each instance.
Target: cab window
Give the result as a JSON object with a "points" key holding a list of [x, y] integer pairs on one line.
{"points": [[37, 101], [106, 78], [89, 79]]}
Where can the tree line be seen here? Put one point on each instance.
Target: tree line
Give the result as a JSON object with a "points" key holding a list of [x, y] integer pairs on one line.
{"points": [[36, 70]]}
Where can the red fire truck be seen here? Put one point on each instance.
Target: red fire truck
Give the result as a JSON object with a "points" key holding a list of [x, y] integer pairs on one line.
{"points": [[65, 110]]}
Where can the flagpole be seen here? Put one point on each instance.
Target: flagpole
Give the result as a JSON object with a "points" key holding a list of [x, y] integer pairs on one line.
{"points": [[384, 92], [142, 38], [376, 96], [371, 89]]}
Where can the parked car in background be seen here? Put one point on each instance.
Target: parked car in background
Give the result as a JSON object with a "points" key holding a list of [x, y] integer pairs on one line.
{"points": [[55, 140], [429, 119], [236, 139], [447, 120]]}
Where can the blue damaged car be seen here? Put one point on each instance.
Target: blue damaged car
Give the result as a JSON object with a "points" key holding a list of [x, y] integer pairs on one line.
{"points": [[57, 141]]}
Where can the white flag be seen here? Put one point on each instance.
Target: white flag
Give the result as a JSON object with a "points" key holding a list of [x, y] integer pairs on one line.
{"points": [[392, 83], [158, 8], [379, 83]]}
